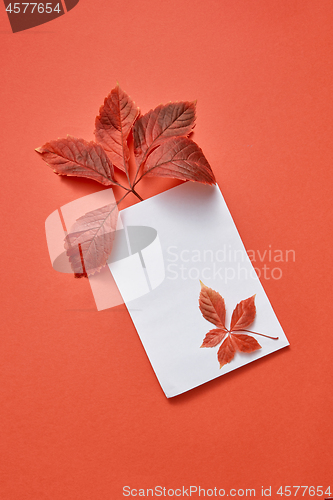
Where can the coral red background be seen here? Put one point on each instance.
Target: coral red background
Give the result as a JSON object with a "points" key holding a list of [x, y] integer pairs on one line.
{"points": [[82, 414]]}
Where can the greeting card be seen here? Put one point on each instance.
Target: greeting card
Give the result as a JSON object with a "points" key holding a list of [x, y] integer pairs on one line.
{"points": [[199, 241]]}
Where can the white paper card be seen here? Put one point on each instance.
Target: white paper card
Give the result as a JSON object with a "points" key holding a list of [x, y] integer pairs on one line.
{"points": [[195, 239]]}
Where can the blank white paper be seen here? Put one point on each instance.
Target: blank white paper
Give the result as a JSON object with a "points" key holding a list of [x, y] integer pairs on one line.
{"points": [[198, 240]]}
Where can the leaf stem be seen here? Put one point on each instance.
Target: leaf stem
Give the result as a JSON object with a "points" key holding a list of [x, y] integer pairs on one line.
{"points": [[138, 169], [128, 178], [136, 182], [121, 199], [256, 333], [136, 194], [124, 187]]}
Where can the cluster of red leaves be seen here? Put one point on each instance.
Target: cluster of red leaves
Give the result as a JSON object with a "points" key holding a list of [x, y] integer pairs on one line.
{"points": [[212, 307], [161, 147]]}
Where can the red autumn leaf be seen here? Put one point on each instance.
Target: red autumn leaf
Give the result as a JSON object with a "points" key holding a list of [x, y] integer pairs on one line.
{"points": [[226, 352], [89, 241], [162, 148], [180, 158], [233, 343], [113, 125], [77, 157], [243, 315], [163, 122], [214, 337], [212, 307], [245, 343]]}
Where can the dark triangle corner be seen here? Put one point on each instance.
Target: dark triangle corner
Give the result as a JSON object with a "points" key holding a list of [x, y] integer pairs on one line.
{"points": [[70, 4]]}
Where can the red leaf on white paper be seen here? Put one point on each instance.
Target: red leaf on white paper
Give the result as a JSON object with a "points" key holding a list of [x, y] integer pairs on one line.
{"points": [[233, 343], [226, 352], [214, 337], [89, 241], [179, 158], [77, 157], [244, 314], [245, 343], [212, 307], [165, 121], [113, 125]]}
